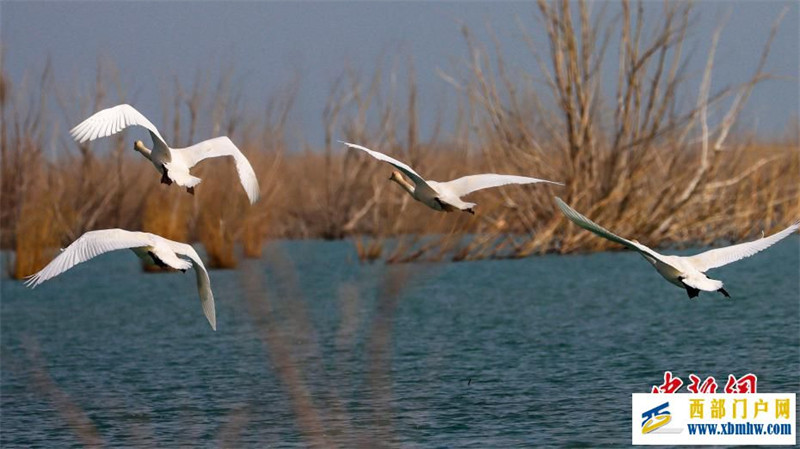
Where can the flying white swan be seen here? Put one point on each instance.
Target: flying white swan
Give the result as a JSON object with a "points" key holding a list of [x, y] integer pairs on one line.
{"points": [[153, 249], [172, 163], [685, 271], [445, 196]]}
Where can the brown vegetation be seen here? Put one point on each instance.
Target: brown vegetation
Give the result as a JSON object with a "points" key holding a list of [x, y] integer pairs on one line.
{"points": [[636, 160]]}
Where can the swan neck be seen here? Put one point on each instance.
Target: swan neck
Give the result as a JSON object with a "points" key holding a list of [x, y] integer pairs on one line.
{"points": [[404, 184], [139, 146]]}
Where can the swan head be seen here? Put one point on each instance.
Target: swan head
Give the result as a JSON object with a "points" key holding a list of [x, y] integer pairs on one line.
{"points": [[396, 177], [139, 146]]}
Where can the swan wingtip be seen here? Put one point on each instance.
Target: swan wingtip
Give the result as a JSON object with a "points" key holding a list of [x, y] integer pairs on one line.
{"points": [[31, 281]]}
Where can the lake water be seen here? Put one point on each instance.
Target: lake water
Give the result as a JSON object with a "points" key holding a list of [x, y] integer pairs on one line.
{"points": [[314, 348]]}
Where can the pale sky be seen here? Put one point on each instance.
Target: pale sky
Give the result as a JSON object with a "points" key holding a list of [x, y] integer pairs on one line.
{"points": [[266, 43]]}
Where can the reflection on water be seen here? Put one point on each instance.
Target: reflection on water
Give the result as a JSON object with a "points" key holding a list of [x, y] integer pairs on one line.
{"points": [[313, 348]]}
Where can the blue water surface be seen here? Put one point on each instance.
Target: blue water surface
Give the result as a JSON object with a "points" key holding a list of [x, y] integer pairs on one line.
{"points": [[313, 348]]}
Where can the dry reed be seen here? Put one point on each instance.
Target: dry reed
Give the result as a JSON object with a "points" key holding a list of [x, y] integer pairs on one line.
{"points": [[634, 160]]}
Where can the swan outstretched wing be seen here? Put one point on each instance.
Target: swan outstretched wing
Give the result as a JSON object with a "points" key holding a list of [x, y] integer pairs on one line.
{"points": [[88, 246], [203, 281], [469, 184], [111, 121], [223, 146], [723, 256], [408, 171], [589, 225]]}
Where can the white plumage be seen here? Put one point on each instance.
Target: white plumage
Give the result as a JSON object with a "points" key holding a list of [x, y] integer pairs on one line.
{"points": [[154, 249], [172, 163], [684, 271], [111, 121], [446, 196]]}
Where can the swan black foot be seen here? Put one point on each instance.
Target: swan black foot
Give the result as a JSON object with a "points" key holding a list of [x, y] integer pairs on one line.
{"points": [[164, 176], [722, 290], [692, 292], [190, 190], [444, 207], [470, 210]]}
